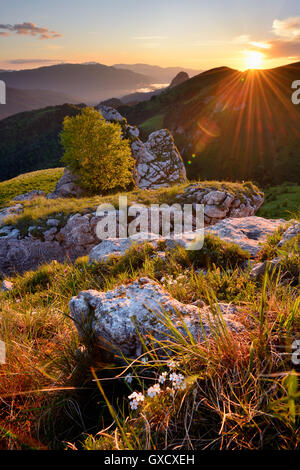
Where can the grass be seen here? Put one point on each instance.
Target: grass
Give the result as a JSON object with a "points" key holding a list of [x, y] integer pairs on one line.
{"points": [[281, 202], [153, 124], [43, 180], [241, 391], [37, 211]]}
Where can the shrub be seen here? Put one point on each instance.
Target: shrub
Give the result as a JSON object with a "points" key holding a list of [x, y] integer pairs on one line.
{"points": [[95, 151]]}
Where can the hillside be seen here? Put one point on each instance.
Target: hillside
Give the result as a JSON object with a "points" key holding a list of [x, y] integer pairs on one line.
{"points": [[86, 82], [229, 124], [18, 101], [30, 140]]}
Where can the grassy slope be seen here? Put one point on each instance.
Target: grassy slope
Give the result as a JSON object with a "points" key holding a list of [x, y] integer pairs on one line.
{"points": [[240, 126], [43, 180], [230, 386], [30, 140], [281, 202]]}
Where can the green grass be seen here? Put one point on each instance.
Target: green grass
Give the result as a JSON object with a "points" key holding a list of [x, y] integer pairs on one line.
{"points": [[43, 180], [281, 202], [153, 124], [240, 392]]}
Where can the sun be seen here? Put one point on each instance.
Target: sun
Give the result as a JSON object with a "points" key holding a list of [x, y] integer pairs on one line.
{"points": [[253, 60]]}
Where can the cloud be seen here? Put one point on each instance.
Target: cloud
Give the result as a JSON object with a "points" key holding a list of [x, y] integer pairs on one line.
{"points": [[286, 45], [28, 29], [289, 28]]}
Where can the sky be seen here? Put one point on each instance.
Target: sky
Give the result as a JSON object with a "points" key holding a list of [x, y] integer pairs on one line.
{"points": [[199, 34]]}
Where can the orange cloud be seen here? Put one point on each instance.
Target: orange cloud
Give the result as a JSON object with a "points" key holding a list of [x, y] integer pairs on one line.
{"points": [[28, 29]]}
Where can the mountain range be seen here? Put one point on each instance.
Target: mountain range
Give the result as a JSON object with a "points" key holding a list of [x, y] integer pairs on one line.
{"points": [[88, 83]]}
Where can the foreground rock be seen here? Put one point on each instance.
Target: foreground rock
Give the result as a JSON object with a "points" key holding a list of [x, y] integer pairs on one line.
{"points": [[117, 317], [248, 232]]}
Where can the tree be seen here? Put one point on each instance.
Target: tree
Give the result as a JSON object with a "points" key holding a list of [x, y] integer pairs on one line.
{"points": [[95, 151]]}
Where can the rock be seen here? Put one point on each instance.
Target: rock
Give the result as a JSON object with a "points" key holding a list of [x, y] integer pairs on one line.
{"points": [[53, 222], [180, 78], [29, 196], [117, 246], [6, 286], [291, 232], [215, 212], [219, 204], [49, 235], [111, 246], [23, 255], [119, 316], [77, 232], [258, 270], [214, 197], [9, 211], [158, 162], [8, 232], [109, 113], [247, 232], [67, 186]]}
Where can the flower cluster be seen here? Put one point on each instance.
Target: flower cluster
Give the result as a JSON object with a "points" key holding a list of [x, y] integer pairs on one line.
{"points": [[178, 382], [153, 391], [137, 399]]}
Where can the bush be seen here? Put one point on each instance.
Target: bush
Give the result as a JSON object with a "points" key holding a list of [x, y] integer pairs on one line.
{"points": [[95, 151]]}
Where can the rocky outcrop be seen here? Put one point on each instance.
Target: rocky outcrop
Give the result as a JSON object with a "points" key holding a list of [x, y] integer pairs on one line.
{"points": [[221, 203], [117, 317], [247, 232], [180, 78], [158, 161], [67, 186]]}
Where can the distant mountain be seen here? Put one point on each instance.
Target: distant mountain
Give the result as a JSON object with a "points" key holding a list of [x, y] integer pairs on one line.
{"points": [[89, 83], [30, 141], [229, 124], [160, 74], [18, 101]]}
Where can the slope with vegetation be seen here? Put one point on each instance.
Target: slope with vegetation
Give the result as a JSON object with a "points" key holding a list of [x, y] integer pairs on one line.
{"points": [[230, 124], [30, 140]]}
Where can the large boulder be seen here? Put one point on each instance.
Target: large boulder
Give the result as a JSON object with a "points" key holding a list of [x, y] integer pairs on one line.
{"points": [[67, 186], [158, 161], [118, 317]]}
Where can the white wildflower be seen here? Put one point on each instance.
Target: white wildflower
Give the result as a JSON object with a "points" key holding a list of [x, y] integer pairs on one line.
{"points": [[153, 391], [136, 399], [128, 378], [162, 378], [178, 381]]}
